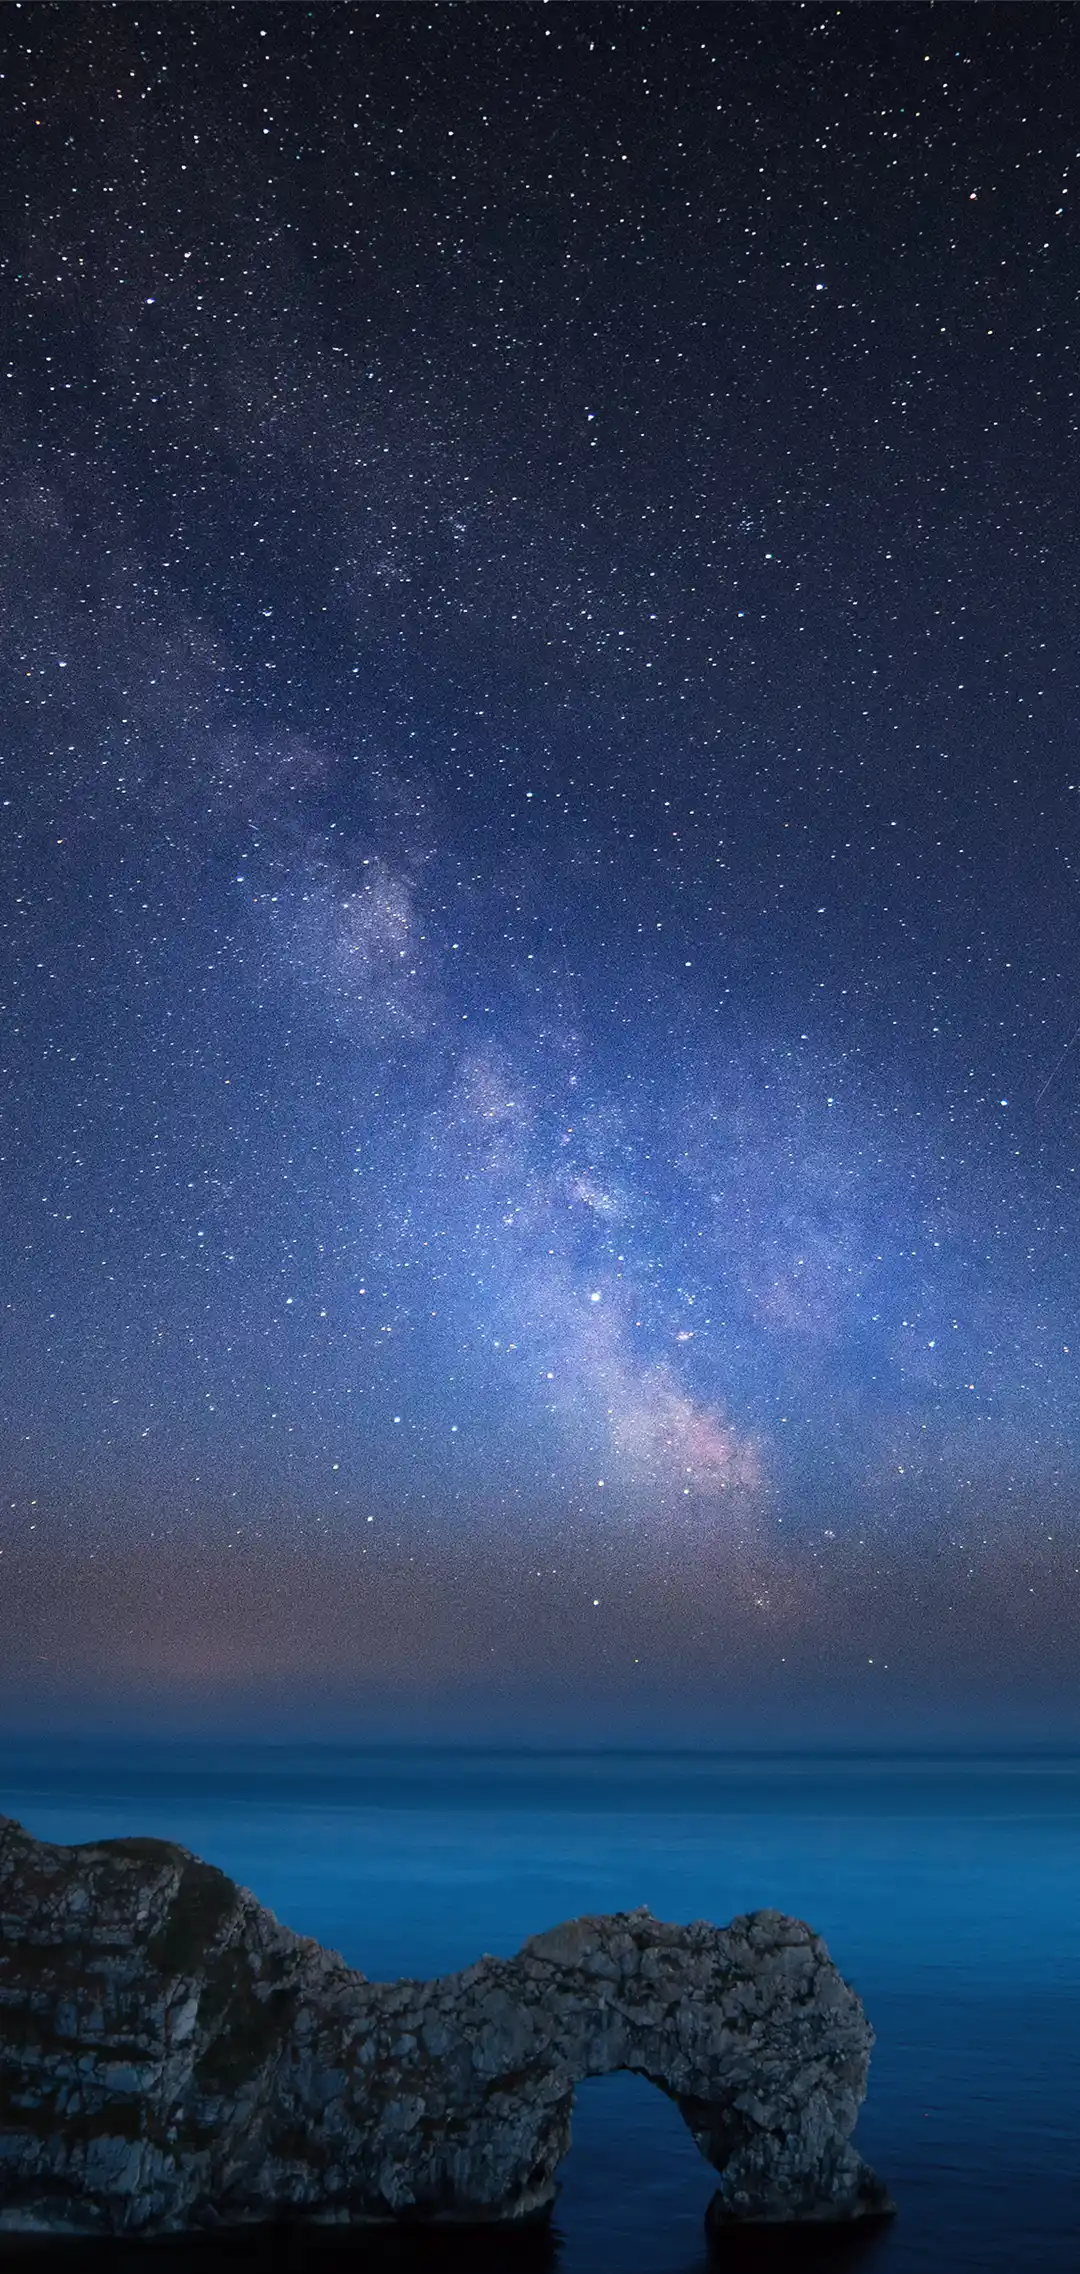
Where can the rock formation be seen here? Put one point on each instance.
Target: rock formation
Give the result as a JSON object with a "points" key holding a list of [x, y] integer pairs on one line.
{"points": [[172, 2058]]}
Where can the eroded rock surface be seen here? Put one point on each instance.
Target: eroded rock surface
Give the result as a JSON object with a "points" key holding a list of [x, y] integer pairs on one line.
{"points": [[172, 2058]]}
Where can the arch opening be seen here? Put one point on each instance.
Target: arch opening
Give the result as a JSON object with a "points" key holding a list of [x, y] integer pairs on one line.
{"points": [[632, 2171]]}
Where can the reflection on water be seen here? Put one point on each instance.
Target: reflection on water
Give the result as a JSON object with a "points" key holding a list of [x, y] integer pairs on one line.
{"points": [[535, 2248], [530, 2249]]}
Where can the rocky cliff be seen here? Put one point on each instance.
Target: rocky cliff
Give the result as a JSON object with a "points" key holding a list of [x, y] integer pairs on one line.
{"points": [[171, 2058]]}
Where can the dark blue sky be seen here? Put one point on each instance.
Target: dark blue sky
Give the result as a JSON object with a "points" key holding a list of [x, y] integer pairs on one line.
{"points": [[540, 924]]}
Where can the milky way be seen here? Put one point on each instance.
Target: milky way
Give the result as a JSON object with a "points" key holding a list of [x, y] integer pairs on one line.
{"points": [[540, 838]]}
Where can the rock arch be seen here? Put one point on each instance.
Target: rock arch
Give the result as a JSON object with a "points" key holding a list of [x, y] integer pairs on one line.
{"points": [[172, 2058]]}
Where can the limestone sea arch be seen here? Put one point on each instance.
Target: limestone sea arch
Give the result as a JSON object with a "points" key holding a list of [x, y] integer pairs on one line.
{"points": [[174, 2059]]}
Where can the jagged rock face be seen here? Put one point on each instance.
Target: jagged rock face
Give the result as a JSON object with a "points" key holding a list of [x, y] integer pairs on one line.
{"points": [[172, 2058]]}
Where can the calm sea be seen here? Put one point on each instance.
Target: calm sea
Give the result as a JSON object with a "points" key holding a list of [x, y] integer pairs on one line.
{"points": [[948, 1891]]}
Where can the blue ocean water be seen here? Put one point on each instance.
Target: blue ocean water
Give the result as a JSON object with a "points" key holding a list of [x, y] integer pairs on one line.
{"points": [[946, 1889]]}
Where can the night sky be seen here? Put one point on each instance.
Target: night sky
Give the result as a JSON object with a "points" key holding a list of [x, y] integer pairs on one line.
{"points": [[541, 835]]}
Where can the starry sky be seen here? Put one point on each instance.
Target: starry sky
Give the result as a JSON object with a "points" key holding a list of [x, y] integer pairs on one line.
{"points": [[541, 823]]}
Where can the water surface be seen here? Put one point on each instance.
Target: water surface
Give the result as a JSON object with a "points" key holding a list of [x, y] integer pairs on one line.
{"points": [[946, 1890]]}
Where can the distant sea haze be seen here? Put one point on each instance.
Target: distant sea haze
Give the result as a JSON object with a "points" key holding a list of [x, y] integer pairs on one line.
{"points": [[943, 1884]]}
